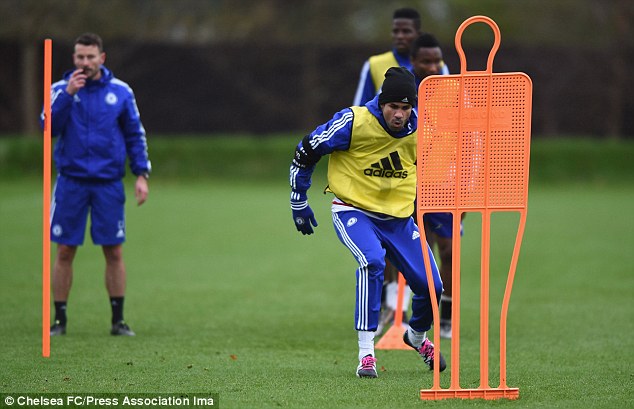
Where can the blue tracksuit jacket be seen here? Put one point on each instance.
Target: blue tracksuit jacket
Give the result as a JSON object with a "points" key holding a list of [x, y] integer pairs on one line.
{"points": [[97, 128]]}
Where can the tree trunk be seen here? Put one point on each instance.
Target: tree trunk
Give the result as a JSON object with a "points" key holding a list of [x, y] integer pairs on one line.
{"points": [[27, 94]]}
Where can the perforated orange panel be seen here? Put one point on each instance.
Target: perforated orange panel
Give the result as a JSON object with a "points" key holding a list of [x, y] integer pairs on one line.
{"points": [[473, 143]]}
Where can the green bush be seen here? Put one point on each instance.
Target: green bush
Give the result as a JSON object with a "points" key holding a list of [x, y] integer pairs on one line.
{"points": [[245, 157]]}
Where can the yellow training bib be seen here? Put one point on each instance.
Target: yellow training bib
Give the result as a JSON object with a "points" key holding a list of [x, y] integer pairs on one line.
{"points": [[379, 64], [378, 171]]}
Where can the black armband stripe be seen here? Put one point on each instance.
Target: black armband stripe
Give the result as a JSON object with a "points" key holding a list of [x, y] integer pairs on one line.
{"points": [[307, 147], [305, 155]]}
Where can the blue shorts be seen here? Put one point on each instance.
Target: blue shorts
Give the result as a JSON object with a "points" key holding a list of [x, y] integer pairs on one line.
{"points": [[440, 223], [74, 198], [370, 240]]}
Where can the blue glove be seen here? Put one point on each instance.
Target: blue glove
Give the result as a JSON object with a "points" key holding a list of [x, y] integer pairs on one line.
{"points": [[303, 215]]}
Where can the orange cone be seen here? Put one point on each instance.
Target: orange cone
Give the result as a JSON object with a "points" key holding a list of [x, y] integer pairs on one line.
{"points": [[393, 337]]}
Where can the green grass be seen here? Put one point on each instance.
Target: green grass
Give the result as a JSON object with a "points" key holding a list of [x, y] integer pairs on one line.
{"points": [[226, 297]]}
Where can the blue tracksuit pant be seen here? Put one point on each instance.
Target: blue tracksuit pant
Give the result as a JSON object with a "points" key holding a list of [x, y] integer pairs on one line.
{"points": [[370, 240]]}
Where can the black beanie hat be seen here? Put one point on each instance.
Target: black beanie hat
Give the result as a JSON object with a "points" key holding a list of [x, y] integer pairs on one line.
{"points": [[399, 86]]}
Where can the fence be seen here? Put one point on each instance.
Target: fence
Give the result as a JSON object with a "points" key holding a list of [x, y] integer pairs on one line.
{"points": [[253, 88]]}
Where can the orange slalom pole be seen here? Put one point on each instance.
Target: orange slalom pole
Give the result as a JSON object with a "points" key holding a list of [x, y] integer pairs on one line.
{"points": [[46, 205]]}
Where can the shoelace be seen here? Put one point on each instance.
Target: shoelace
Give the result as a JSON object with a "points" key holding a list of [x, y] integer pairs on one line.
{"points": [[427, 351], [367, 362]]}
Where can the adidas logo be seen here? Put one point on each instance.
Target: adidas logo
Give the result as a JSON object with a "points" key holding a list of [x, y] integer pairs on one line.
{"points": [[415, 235], [388, 167]]}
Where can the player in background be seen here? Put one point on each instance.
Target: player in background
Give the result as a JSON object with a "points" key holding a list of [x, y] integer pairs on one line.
{"points": [[372, 173], [406, 26], [96, 119], [426, 58]]}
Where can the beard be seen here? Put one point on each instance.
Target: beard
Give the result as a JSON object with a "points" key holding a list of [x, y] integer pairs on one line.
{"points": [[91, 73]]}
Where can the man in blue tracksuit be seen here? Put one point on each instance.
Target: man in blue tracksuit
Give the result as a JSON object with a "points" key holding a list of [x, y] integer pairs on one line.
{"points": [[372, 173], [96, 120]]}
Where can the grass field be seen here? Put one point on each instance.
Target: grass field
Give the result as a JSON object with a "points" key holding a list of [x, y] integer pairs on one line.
{"points": [[227, 298]]}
